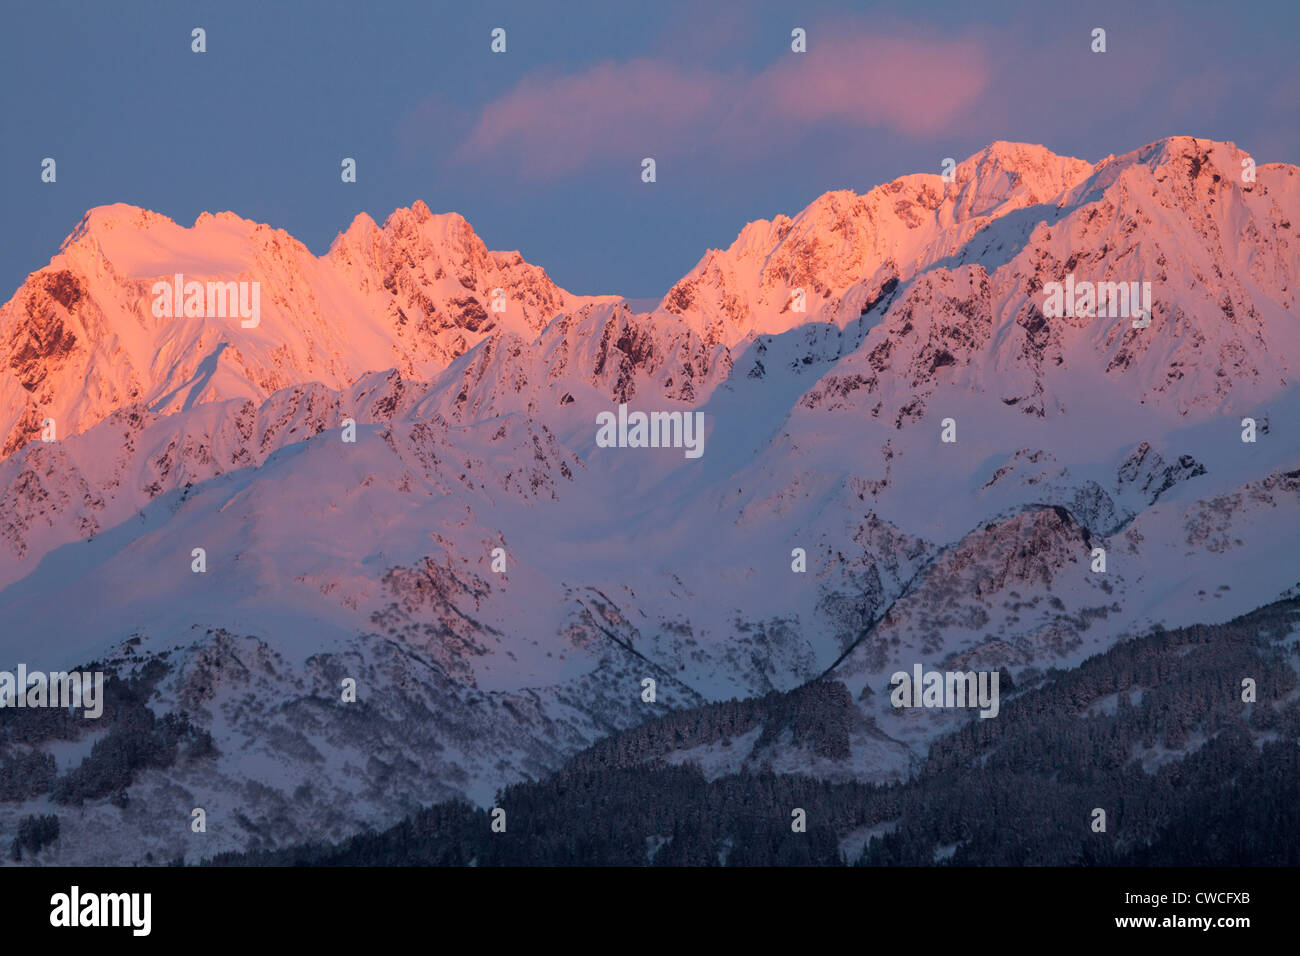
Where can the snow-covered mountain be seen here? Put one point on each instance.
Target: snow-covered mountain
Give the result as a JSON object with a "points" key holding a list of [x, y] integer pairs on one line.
{"points": [[81, 338], [377, 559], [842, 239]]}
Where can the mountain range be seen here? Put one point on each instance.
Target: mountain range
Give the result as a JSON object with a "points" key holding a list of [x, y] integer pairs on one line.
{"points": [[907, 461]]}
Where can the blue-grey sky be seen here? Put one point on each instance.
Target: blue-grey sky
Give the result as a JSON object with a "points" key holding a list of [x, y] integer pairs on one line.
{"points": [[540, 148]]}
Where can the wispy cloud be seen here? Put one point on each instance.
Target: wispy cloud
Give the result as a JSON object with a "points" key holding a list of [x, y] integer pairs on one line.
{"points": [[553, 125], [915, 86]]}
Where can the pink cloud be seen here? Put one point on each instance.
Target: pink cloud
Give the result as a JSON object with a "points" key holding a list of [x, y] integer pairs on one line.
{"points": [[552, 125], [914, 86], [556, 125]]}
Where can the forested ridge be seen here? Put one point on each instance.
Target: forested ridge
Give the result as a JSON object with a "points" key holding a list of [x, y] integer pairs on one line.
{"points": [[1154, 732]]}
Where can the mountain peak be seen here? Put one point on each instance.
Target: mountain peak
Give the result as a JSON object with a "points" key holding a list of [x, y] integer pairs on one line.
{"points": [[102, 219], [419, 214], [81, 337], [1222, 156], [842, 238], [363, 224], [1006, 175], [787, 271]]}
